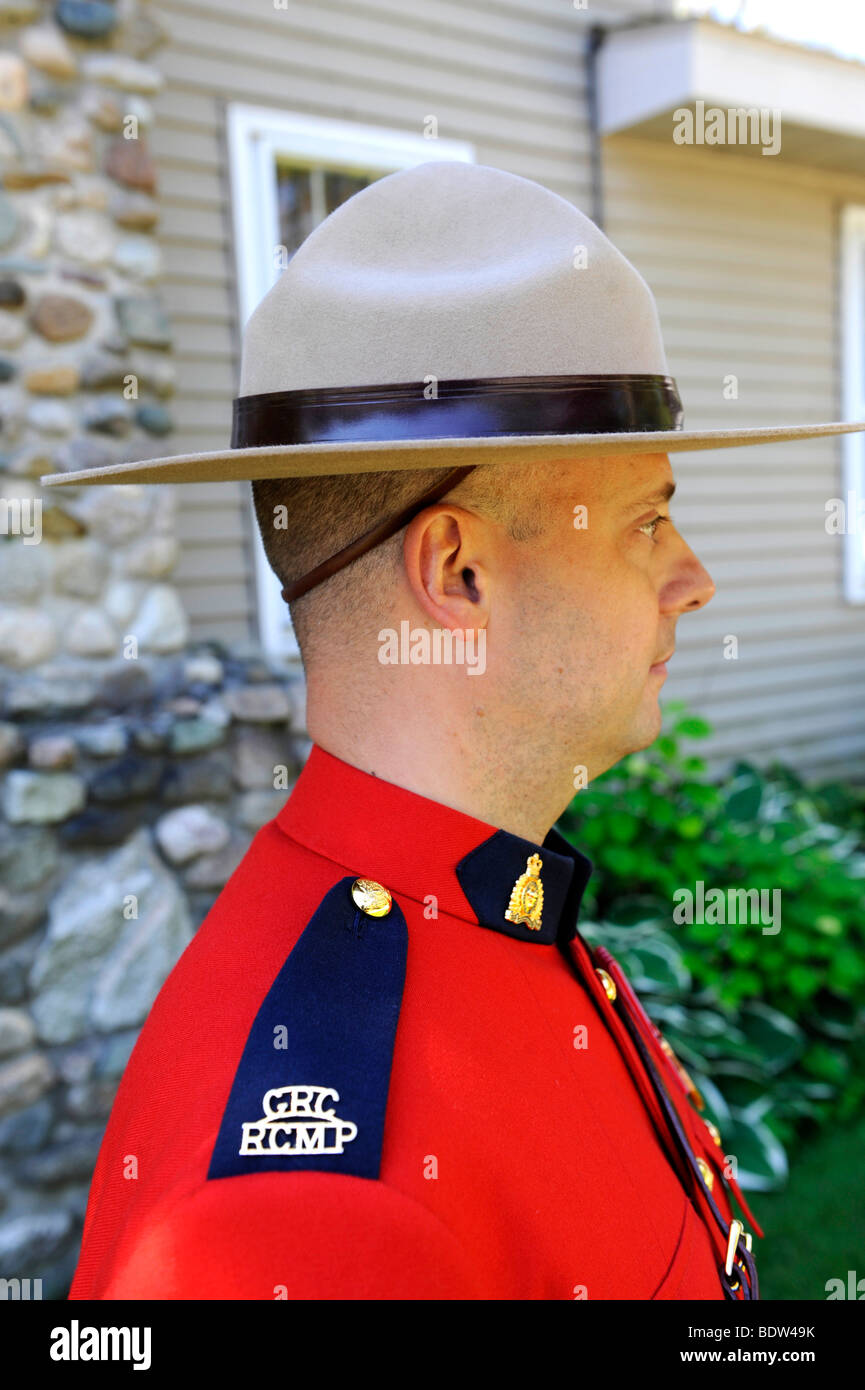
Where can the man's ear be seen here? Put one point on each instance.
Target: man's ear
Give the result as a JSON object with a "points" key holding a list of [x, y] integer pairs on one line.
{"points": [[446, 555]]}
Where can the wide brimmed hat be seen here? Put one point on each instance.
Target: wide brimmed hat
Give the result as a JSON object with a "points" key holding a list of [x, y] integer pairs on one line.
{"points": [[448, 314]]}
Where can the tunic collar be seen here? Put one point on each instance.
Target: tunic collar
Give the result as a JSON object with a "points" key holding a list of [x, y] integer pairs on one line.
{"points": [[422, 849]]}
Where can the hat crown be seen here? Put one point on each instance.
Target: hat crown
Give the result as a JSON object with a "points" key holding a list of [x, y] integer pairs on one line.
{"points": [[453, 271]]}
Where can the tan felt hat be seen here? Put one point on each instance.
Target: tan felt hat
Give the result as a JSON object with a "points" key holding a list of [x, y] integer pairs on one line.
{"points": [[448, 315]]}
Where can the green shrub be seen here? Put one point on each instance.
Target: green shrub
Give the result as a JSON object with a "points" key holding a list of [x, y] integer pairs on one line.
{"points": [[771, 1025]]}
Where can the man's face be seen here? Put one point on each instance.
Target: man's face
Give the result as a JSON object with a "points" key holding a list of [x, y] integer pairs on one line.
{"points": [[592, 605]]}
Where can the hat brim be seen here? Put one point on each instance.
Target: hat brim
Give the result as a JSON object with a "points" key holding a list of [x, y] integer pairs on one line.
{"points": [[372, 456]]}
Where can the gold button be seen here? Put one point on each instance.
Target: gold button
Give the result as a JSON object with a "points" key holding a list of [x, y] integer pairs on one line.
{"points": [[371, 897], [708, 1175], [714, 1131], [608, 983]]}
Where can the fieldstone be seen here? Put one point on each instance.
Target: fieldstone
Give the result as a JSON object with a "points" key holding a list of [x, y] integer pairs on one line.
{"points": [[201, 668], [41, 798], [259, 704], [31, 173], [137, 212], [50, 417], [154, 418], [9, 221], [102, 740], [31, 461], [101, 369], [27, 637], [103, 109], [108, 415], [60, 318], [153, 735], [71, 1161], [100, 828], [19, 11], [24, 1080], [80, 567], [15, 967], [91, 1100], [72, 147], [127, 778], [141, 35], [257, 751], [85, 236], [116, 70], [125, 685], [154, 373], [138, 257], [27, 1129], [10, 421], [20, 913], [195, 735], [13, 82], [96, 968], [86, 19], [160, 624], [45, 47], [90, 634], [59, 522], [116, 1052], [28, 1242], [189, 831], [131, 163], [12, 294], [214, 870], [153, 557], [52, 751], [54, 691], [256, 808], [59, 379], [84, 452], [28, 857], [16, 1032], [45, 97], [207, 778], [11, 743], [8, 369], [116, 514], [24, 570], [144, 321], [13, 329]]}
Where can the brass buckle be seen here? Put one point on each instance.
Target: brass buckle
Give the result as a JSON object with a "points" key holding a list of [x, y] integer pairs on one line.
{"points": [[737, 1229]]}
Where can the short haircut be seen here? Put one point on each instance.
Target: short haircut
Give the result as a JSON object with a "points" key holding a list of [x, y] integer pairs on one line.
{"points": [[305, 520]]}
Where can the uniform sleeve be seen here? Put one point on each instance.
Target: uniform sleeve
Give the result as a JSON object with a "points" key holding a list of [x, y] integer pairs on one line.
{"points": [[294, 1236]]}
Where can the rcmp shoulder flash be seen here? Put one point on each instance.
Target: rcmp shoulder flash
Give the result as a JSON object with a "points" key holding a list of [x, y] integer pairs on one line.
{"points": [[311, 1087]]}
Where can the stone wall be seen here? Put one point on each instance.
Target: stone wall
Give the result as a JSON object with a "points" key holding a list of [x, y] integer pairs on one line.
{"points": [[133, 770], [126, 804]]}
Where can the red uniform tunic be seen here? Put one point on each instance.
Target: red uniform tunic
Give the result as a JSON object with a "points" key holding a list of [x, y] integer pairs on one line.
{"points": [[434, 1103]]}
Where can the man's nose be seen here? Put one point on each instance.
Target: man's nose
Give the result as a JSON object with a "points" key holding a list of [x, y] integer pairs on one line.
{"points": [[692, 586]]}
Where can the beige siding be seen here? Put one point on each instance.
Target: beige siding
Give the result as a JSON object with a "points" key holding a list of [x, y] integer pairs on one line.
{"points": [[741, 253]]}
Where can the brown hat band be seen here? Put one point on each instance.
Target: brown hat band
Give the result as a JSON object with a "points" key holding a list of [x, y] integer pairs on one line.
{"points": [[469, 408]]}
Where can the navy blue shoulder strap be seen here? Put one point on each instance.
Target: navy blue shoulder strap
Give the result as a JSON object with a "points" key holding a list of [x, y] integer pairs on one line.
{"points": [[312, 1083]]}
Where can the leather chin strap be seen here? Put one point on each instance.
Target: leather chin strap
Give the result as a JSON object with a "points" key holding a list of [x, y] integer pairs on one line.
{"points": [[382, 532]]}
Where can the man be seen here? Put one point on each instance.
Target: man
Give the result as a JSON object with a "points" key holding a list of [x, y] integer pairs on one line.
{"points": [[389, 1066]]}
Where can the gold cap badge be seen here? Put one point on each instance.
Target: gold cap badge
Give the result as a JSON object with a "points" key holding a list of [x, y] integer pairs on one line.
{"points": [[527, 896]]}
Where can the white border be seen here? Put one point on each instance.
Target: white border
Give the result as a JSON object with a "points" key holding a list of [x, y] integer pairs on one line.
{"points": [[853, 393], [257, 135]]}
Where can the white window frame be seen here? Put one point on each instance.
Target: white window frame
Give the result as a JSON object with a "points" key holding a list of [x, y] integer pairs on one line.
{"points": [[257, 137], [853, 393]]}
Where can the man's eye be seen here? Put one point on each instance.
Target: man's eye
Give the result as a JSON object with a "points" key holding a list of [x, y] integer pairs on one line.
{"points": [[650, 527]]}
